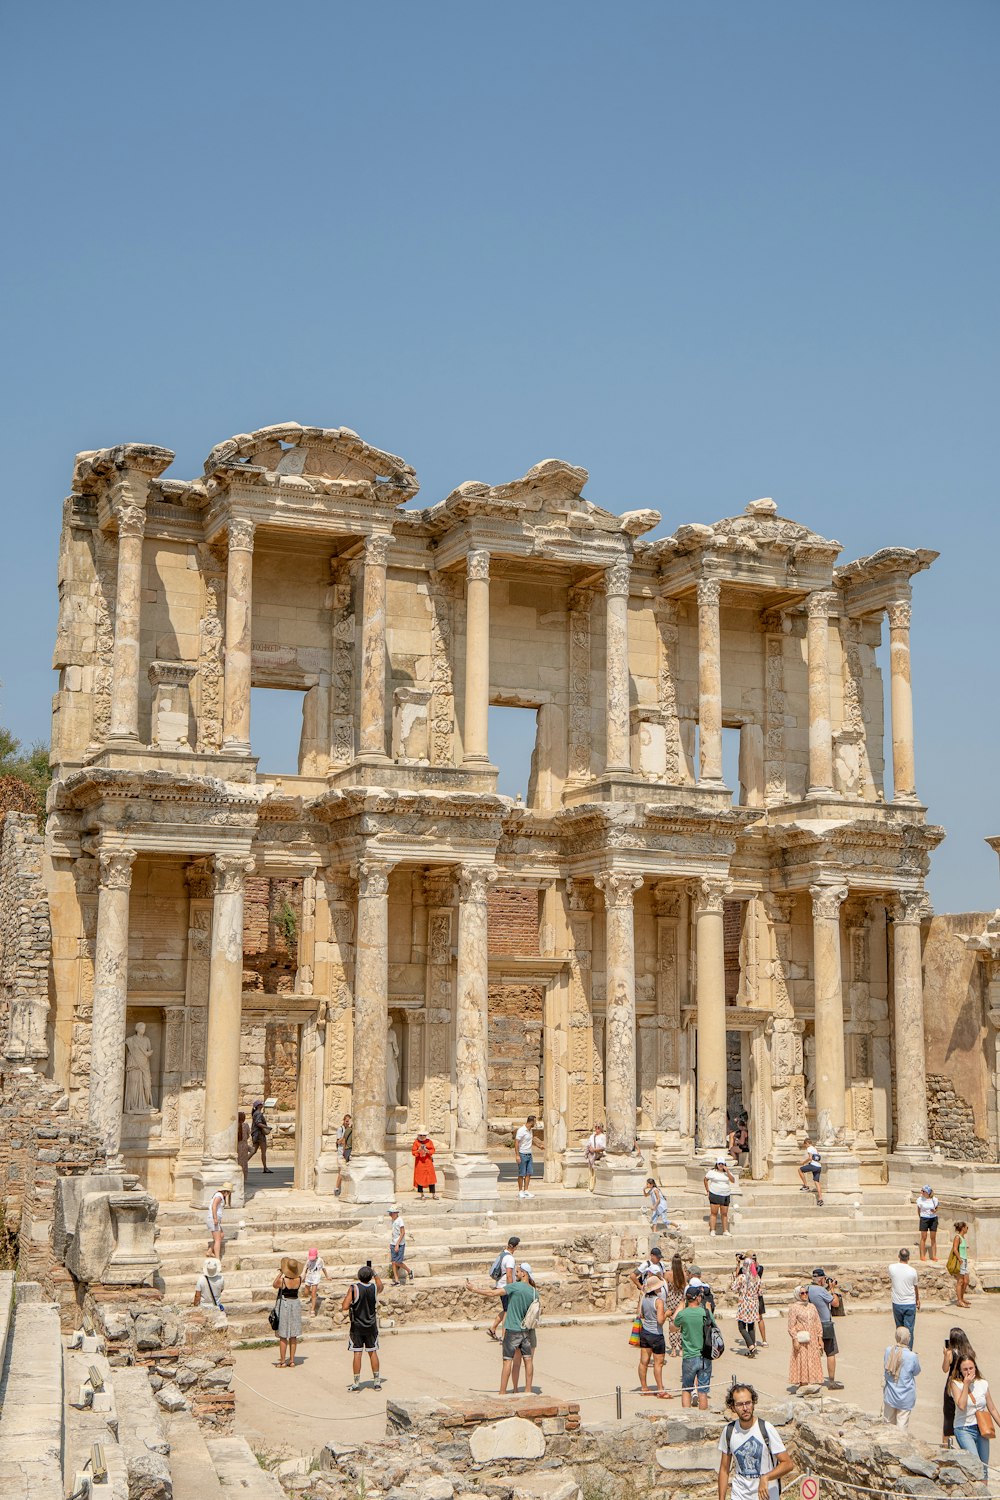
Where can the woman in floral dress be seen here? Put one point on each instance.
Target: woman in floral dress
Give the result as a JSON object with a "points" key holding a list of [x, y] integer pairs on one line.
{"points": [[746, 1285], [673, 1296], [805, 1364]]}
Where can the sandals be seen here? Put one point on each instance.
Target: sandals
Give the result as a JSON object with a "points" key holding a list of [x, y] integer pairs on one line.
{"points": [[490, 1334]]}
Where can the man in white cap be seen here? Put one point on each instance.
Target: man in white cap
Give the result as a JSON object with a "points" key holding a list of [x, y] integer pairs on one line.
{"points": [[397, 1247], [519, 1339], [719, 1184]]}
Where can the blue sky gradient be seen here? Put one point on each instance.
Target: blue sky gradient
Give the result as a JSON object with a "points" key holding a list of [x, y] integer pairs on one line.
{"points": [[709, 252]]}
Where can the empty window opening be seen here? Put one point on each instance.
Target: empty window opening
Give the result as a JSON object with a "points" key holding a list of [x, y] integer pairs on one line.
{"points": [[731, 760], [276, 729], [513, 735], [882, 661]]}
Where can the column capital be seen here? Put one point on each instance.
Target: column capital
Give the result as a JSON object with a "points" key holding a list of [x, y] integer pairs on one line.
{"points": [[115, 869], [899, 614], [131, 520], [666, 898], [240, 532], [372, 876], [477, 565], [827, 900], [619, 886], [907, 907], [617, 578], [439, 887], [339, 882], [474, 882], [377, 550], [709, 591], [821, 604], [228, 874], [709, 894]]}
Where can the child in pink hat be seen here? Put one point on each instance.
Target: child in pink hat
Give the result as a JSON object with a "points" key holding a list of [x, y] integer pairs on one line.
{"points": [[315, 1268]]}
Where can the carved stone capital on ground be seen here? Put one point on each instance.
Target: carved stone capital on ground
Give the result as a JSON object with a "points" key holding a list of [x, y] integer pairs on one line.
{"points": [[709, 894], [474, 882], [241, 530], [115, 869], [228, 874], [827, 900], [619, 886]]}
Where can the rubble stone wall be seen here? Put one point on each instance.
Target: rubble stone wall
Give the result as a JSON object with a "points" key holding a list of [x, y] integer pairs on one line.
{"points": [[186, 1352], [515, 1051], [954, 1014], [951, 1121]]}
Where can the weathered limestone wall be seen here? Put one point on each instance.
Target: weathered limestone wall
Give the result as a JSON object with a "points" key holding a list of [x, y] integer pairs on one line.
{"points": [[25, 941], [954, 1023], [515, 1052]]}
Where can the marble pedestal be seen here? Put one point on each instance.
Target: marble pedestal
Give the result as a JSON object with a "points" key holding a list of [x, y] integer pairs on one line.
{"points": [[211, 1175], [619, 1177], [368, 1179], [468, 1177]]}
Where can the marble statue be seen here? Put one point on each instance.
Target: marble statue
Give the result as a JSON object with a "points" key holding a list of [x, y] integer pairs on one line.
{"points": [[138, 1085]]}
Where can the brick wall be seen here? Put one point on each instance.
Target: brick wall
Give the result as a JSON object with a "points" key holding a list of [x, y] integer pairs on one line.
{"points": [[270, 958], [515, 1051], [513, 921]]}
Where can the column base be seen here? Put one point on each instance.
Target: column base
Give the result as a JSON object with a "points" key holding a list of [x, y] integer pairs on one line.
{"points": [[619, 1177], [211, 1175], [368, 1179], [469, 1177], [327, 1168], [841, 1170]]}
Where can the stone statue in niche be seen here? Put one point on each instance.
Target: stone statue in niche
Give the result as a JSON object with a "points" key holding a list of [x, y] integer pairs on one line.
{"points": [[392, 1069], [138, 1083]]}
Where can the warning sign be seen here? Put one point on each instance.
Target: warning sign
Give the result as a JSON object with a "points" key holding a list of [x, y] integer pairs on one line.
{"points": [[810, 1488]]}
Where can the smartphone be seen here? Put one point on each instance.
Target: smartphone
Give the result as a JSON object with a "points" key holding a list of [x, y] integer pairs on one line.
{"points": [[368, 1264]]}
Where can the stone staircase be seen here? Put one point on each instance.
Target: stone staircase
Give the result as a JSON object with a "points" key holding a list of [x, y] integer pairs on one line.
{"points": [[31, 1394], [853, 1236]]}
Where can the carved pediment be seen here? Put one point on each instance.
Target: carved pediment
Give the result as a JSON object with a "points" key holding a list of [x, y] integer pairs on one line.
{"points": [[547, 498], [758, 531], [313, 458]]}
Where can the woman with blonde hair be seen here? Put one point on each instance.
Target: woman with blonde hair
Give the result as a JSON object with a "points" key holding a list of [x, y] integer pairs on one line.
{"points": [[899, 1392], [287, 1284], [958, 1263], [805, 1364], [673, 1297]]}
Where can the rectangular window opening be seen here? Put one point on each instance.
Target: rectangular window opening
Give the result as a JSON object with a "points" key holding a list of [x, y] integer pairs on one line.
{"points": [[513, 735], [731, 760], [276, 729]]}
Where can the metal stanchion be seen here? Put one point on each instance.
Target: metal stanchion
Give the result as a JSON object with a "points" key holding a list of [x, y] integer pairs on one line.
{"points": [[618, 1402]]}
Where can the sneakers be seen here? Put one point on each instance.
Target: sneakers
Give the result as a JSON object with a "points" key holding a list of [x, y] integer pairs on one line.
{"points": [[834, 1385], [378, 1382], [526, 1194], [355, 1384]]}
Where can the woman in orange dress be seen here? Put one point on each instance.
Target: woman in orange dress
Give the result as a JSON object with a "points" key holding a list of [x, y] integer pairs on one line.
{"points": [[424, 1175], [805, 1364]]}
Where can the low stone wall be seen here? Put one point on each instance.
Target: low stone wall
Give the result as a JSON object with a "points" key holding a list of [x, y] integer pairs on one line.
{"points": [[186, 1352]]}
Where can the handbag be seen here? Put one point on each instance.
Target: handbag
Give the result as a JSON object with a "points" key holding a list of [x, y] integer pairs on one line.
{"points": [[272, 1316], [953, 1265], [633, 1337], [985, 1424], [803, 1336]]}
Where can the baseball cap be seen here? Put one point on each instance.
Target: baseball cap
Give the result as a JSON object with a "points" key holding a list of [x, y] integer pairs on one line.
{"points": [[720, 1161], [313, 1254], [926, 1188], [393, 1208], [819, 1271], [525, 1267]]}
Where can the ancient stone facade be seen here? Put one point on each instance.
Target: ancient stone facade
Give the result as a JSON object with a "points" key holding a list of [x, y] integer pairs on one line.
{"points": [[685, 947]]}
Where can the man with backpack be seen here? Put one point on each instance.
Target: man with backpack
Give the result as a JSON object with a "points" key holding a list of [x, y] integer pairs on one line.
{"points": [[522, 1312], [502, 1274], [751, 1450], [696, 1367]]}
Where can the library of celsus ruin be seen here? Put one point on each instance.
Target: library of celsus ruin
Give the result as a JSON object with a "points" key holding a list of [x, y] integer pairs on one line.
{"points": [[635, 941]]}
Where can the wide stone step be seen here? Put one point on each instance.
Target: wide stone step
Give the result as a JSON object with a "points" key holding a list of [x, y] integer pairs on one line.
{"points": [[31, 1396], [238, 1470], [191, 1468]]}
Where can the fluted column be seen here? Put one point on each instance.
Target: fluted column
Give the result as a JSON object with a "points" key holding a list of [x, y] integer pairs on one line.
{"points": [[222, 1042], [908, 1024], [708, 896], [903, 778], [239, 611], [475, 735], [371, 739], [616, 675], [107, 1028], [471, 1050], [819, 606], [709, 683], [128, 596], [619, 888], [828, 1011]]}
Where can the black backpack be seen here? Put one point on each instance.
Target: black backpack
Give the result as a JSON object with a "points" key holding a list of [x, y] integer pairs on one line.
{"points": [[762, 1429], [713, 1345]]}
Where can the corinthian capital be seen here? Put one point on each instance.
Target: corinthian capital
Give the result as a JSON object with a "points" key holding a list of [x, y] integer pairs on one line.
{"points": [[821, 604], [616, 579], [899, 613], [377, 551], [474, 882], [619, 886], [131, 520], [709, 592], [241, 534], [228, 874], [709, 894], [115, 869], [477, 565], [907, 907], [373, 877], [827, 900]]}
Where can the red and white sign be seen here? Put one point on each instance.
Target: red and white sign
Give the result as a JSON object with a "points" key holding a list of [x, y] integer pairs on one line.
{"points": [[810, 1488]]}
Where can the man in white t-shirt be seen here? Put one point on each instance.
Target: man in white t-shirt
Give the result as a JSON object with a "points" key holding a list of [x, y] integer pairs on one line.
{"points": [[905, 1294], [751, 1450], [524, 1142], [508, 1274], [719, 1184], [927, 1216]]}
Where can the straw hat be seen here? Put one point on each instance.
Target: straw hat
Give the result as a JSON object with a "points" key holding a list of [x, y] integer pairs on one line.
{"points": [[289, 1266]]}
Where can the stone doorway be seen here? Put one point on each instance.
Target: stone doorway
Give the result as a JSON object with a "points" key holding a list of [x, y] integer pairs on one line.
{"points": [[517, 1072]]}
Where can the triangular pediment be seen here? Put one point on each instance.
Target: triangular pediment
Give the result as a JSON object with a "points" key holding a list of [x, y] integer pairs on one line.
{"points": [[291, 452], [547, 497]]}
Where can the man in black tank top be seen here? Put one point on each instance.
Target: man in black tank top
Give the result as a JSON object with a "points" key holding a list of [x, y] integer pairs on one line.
{"points": [[360, 1302]]}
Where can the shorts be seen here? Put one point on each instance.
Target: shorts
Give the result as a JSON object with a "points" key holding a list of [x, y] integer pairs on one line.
{"points": [[519, 1340], [760, 1304], [397, 1253], [929, 1226], [363, 1338], [347, 1153], [813, 1169], [830, 1345], [504, 1299], [695, 1370], [524, 1164], [719, 1200], [653, 1341], [963, 1269]]}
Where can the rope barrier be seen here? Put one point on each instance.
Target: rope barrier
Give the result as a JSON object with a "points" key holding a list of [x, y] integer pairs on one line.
{"points": [[309, 1416]]}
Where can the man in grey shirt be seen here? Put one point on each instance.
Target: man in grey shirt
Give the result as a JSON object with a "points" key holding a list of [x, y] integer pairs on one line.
{"points": [[824, 1297]]}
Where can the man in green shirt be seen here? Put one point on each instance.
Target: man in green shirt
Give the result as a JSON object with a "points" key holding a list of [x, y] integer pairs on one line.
{"points": [[518, 1341], [696, 1370]]}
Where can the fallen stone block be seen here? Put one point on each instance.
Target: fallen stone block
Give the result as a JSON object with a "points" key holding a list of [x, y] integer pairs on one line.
{"points": [[511, 1438]]}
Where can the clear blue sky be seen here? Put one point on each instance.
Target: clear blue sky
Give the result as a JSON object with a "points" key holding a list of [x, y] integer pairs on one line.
{"points": [[708, 251]]}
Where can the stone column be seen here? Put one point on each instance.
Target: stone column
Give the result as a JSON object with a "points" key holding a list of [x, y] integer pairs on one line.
{"points": [[369, 1178], [616, 592], [222, 1043], [128, 594], [709, 683], [616, 1175], [903, 780], [107, 1032], [239, 609], [908, 1026], [708, 896], [828, 1010], [472, 1175], [371, 741], [477, 658], [819, 606]]}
